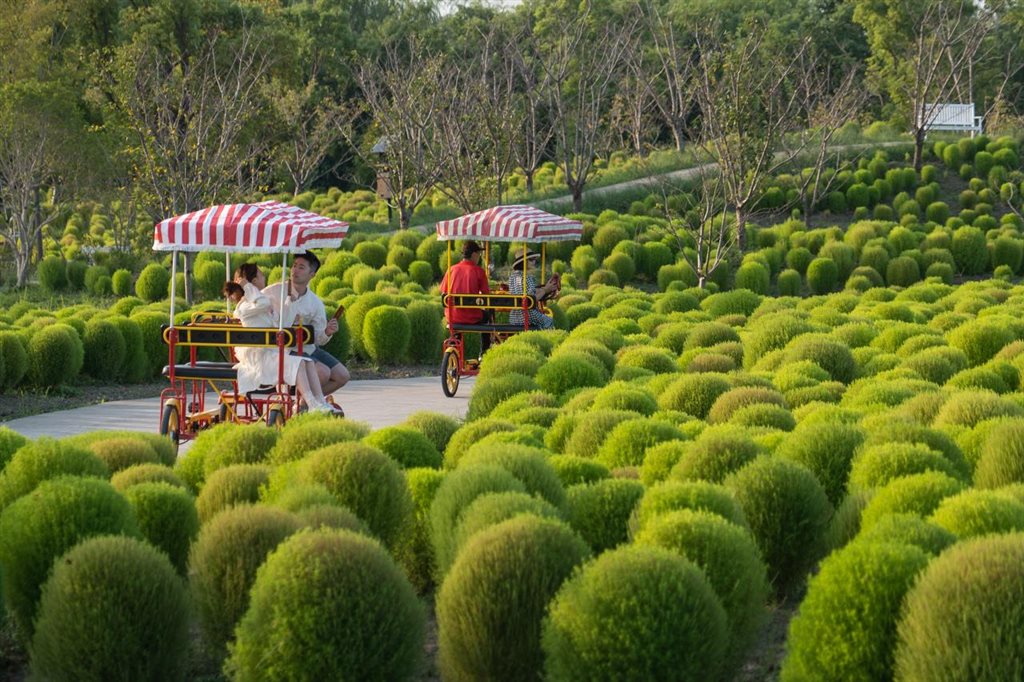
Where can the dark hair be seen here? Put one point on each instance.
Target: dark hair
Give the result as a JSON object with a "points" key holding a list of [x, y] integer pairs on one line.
{"points": [[309, 257], [232, 289], [469, 248], [248, 271]]}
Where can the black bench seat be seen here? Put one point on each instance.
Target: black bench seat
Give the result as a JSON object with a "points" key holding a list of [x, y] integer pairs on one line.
{"points": [[487, 328], [223, 371]]}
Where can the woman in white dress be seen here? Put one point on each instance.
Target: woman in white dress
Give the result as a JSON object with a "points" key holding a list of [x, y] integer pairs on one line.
{"points": [[258, 366]]}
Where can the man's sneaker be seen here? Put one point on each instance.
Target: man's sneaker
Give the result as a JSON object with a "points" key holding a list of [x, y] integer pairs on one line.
{"points": [[337, 408], [472, 363]]}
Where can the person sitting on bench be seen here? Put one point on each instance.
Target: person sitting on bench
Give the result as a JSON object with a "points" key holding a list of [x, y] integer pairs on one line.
{"points": [[467, 277], [258, 367], [518, 287]]}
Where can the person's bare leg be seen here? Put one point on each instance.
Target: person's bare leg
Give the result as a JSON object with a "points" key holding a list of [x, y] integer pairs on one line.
{"points": [[337, 377], [309, 385]]}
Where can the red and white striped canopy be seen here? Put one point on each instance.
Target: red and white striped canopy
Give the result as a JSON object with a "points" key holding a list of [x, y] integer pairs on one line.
{"points": [[510, 223], [266, 227]]}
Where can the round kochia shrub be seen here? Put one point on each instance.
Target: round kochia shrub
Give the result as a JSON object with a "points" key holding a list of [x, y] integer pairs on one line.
{"points": [[405, 445], [167, 518], [367, 482], [826, 449], [44, 459], [14, 351], [121, 453], [730, 560], [635, 613], [329, 603], [879, 464], [55, 355], [52, 274], [437, 427], [145, 473], [626, 444], [918, 494], [152, 283], [493, 508], [572, 469], [909, 529], [846, 626], [312, 431], [979, 512], [113, 609], [223, 564], [491, 605], [1002, 457], [455, 494], [714, 455], [787, 511], [489, 393], [231, 486], [980, 340], [694, 394], [39, 527], [239, 444], [568, 371], [822, 275], [105, 349], [744, 396], [526, 463], [673, 496], [600, 511], [386, 332], [964, 619], [831, 355]]}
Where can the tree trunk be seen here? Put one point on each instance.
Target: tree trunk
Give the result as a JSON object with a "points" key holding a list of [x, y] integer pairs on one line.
{"points": [[677, 137], [577, 198], [918, 149], [21, 261], [741, 229], [404, 216], [529, 179]]}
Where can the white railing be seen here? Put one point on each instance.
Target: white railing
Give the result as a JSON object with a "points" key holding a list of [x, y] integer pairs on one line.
{"points": [[954, 117]]}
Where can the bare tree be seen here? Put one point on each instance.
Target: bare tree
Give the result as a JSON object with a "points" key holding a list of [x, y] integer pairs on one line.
{"points": [[672, 91], [401, 94], [824, 108], [631, 111], [194, 116], [41, 150], [700, 223], [924, 53], [536, 125], [583, 63], [312, 122], [747, 105]]}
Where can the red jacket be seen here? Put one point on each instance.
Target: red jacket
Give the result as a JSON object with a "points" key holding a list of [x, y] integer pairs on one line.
{"points": [[465, 277]]}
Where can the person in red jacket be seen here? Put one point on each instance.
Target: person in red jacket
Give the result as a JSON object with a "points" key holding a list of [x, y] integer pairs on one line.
{"points": [[467, 277]]}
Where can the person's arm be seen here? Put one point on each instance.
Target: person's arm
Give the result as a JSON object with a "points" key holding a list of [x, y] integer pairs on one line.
{"points": [[256, 304], [484, 285], [319, 322]]}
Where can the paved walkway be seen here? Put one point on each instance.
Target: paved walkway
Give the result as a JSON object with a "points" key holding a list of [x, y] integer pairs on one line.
{"points": [[382, 402]]}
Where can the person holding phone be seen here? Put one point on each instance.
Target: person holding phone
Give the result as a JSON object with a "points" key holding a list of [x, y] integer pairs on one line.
{"points": [[300, 301], [517, 285]]}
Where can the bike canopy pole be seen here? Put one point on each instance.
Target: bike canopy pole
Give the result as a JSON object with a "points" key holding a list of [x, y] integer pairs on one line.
{"points": [[174, 282], [284, 279], [227, 278], [526, 311], [543, 255], [172, 333]]}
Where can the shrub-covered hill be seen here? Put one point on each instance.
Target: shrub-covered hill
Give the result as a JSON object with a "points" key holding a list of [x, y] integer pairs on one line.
{"points": [[633, 494]]}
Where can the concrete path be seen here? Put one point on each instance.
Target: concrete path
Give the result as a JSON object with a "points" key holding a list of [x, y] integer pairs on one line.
{"points": [[382, 402]]}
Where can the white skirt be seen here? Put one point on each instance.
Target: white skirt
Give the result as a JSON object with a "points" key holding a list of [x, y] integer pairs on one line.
{"points": [[258, 367]]}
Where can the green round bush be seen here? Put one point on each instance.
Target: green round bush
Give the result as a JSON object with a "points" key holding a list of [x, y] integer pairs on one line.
{"points": [[743, 396], [55, 355], [455, 494], [846, 626], [878, 465], [822, 275], [469, 434], [121, 282], [979, 512], [787, 511], [10, 442], [386, 332], [569, 371], [437, 427], [145, 473], [113, 609], [405, 445], [367, 482], [968, 408], [13, 359], [730, 560], [489, 392], [764, 415], [1002, 457], [44, 459], [152, 283], [121, 453], [970, 251], [902, 272], [167, 518], [980, 340], [161, 445], [626, 444], [223, 564], [493, 508], [694, 394], [305, 434], [646, 357], [329, 591], [715, 454], [831, 355], [753, 276], [789, 282], [105, 349], [491, 605], [635, 613], [52, 274], [240, 444], [37, 529], [371, 253], [622, 265], [918, 494], [964, 617], [600, 511], [673, 496], [909, 529], [526, 463], [622, 396], [231, 486], [572, 470]]}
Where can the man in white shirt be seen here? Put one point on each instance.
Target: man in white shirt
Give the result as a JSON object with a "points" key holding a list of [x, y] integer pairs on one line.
{"points": [[305, 304]]}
